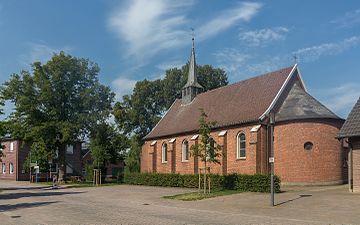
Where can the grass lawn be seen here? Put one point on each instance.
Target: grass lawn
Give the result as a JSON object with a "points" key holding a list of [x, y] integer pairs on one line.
{"points": [[194, 196]]}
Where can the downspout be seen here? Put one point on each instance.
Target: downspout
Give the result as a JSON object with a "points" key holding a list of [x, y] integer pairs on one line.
{"points": [[350, 167]]}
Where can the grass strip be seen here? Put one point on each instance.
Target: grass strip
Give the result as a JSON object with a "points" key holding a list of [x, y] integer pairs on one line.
{"points": [[194, 196]]}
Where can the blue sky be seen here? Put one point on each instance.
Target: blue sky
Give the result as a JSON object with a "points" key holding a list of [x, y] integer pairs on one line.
{"points": [[138, 39]]}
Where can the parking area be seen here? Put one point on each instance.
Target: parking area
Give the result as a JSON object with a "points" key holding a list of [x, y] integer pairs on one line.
{"points": [[21, 203]]}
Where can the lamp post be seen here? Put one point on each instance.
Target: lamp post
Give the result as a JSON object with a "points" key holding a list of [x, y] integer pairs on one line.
{"points": [[271, 158]]}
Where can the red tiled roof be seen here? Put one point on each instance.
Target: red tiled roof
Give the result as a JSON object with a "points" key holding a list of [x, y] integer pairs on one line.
{"points": [[238, 103]]}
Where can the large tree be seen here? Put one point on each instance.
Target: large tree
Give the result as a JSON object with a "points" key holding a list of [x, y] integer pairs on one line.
{"points": [[57, 103], [139, 112]]}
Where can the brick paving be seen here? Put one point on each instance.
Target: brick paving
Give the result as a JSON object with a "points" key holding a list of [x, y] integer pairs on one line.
{"points": [[21, 203]]}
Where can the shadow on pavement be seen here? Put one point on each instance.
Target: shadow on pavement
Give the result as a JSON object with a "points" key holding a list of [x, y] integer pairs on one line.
{"points": [[23, 188], [34, 194], [10, 207], [293, 199]]}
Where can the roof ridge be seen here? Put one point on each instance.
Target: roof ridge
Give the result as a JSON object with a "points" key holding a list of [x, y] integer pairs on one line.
{"points": [[250, 78]]}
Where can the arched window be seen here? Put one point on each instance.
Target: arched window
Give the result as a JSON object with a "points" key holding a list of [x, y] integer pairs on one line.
{"points": [[185, 151], [211, 154], [164, 153], [241, 146]]}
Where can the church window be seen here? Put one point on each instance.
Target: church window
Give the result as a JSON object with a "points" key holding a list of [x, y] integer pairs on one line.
{"points": [[241, 146], [185, 150], [164, 153]]}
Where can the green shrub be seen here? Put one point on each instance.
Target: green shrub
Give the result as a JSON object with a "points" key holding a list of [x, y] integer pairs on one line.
{"points": [[241, 182]]}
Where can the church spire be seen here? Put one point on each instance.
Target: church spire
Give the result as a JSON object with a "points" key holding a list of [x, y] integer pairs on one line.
{"points": [[192, 87]]}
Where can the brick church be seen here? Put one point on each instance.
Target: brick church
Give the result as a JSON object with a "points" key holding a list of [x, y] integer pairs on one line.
{"points": [[305, 148]]}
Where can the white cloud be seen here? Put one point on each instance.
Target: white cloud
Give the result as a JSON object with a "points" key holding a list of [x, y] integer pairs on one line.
{"points": [[231, 60], [149, 27], [238, 64], [40, 52], [170, 64], [243, 12], [123, 86], [348, 20], [263, 36], [340, 99], [315, 52]]}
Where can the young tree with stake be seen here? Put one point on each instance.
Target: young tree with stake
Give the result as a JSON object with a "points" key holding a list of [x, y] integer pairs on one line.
{"points": [[207, 150]]}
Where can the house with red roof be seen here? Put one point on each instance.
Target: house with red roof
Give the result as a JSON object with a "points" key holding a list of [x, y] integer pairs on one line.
{"points": [[305, 148], [350, 132]]}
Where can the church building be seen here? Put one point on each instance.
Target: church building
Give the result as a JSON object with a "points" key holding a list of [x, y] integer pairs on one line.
{"points": [[305, 148]]}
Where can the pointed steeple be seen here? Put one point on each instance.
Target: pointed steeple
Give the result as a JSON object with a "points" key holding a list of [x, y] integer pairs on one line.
{"points": [[192, 87]]}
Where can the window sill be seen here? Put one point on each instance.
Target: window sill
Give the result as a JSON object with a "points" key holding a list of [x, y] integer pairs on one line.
{"points": [[184, 161], [164, 162], [241, 158]]}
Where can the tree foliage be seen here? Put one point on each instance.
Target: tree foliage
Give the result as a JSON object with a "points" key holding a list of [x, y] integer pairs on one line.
{"points": [[107, 145], [58, 103]]}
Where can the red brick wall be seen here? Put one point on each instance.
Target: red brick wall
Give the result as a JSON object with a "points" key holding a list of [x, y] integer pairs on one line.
{"points": [[9, 157], [230, 164], [323, 164], [356, 164], [294, 164]]}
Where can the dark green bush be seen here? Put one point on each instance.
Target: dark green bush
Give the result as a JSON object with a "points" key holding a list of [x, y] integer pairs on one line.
{"points": [[241, 182]]}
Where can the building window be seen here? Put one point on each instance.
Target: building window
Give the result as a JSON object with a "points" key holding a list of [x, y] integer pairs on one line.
{"points": [[69, 168], [11, 168], [164, 153], [185, 150], [241, 146], [11, 147], [211, 154], [69, 149], [3, 168], [308, 145]]}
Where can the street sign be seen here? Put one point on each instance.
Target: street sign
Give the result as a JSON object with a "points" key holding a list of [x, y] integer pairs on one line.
{"points": [[37, 169], [33, 164], [271, 160]]}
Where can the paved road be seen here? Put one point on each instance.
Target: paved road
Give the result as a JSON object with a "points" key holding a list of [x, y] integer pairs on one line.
{"points": [[24, 204]]}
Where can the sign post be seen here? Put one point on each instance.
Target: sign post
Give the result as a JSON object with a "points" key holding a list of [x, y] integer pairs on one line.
{"points": [[272, 159], [37, 170]]}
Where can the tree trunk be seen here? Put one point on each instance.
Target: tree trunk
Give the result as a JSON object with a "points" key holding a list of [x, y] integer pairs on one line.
{"points": [[62, 164]]}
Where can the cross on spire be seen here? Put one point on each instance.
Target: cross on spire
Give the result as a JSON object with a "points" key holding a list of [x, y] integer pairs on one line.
{"points": [[192, 87], [295, 58]]}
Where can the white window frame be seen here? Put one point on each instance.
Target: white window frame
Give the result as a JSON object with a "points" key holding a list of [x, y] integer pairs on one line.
{"points": [[164, 153], [11, 148], [11, 168], [183, 151], [70, 149], [238, 146], [3, 168]]}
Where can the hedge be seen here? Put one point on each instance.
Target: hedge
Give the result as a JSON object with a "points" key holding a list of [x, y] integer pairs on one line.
{"points": [[241, 182]]}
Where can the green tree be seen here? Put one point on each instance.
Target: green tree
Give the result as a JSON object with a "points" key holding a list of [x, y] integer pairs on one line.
{"points": [[107, 145], [132, 160], [59, 102], [39, 155], [207, 149]]}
